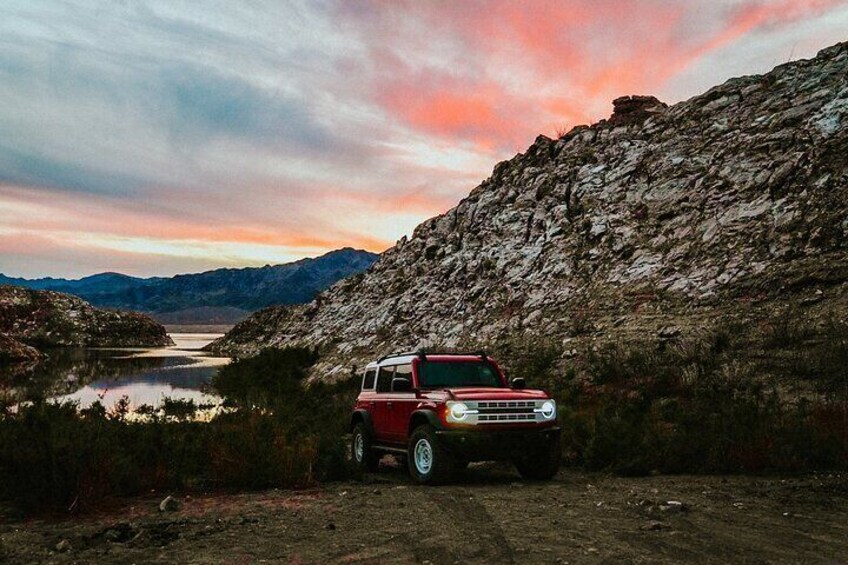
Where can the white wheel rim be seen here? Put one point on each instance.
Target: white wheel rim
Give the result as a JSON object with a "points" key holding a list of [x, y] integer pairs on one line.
{"points": [[423, 453], [358, 447]]}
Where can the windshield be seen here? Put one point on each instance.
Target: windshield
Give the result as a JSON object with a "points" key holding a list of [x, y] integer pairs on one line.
{"points": [[440, 374]]}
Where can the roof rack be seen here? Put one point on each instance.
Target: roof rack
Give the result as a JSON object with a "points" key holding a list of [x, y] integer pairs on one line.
{"points": [[419, 353], [423, 357]]}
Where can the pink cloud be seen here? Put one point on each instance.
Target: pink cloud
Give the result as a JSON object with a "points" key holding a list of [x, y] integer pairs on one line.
{"points": [[494, 73]]}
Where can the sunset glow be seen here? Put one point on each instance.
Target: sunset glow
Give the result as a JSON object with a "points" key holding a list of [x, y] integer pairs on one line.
{"points": [[154, 138]]}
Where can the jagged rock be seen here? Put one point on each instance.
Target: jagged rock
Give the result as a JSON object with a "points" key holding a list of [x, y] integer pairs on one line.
{"points": [[669, 332], [635, 109], [40, 318], [729, 203]]}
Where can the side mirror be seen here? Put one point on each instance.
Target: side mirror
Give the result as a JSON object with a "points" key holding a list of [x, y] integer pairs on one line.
{"points": [[400, 384], [518, 383]]}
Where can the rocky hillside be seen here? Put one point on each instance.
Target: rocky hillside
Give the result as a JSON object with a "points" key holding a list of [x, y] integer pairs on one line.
{"points": [[13, 351], [657, 221], [219, 296], [41, 319]]}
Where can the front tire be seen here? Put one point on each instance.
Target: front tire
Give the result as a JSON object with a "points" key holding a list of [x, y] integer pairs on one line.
{"points": [[364, 457], [429, 463], [541, 465]]}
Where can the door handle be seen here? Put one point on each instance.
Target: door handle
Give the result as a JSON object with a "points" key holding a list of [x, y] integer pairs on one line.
{"points": [[373, 403], [388, 404]]}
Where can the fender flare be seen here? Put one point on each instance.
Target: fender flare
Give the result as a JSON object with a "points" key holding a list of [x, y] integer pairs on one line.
{"points": [[363, 416], [430, 416]]}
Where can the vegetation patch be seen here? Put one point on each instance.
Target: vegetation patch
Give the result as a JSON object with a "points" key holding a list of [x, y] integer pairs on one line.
{"points": [[279, 433]]}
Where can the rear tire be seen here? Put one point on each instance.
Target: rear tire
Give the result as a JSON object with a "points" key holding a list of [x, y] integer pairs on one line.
{"points": [[541, 465], [364, 457], [429, 463]]}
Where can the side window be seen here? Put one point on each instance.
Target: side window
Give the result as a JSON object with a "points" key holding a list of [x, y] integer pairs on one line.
{"points": [[384, 379], [404, 372], [368, 379]]}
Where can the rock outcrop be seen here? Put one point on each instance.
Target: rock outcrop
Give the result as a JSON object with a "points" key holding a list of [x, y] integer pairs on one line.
{"points": [[728, 204], [43, 319], [13, 351]]}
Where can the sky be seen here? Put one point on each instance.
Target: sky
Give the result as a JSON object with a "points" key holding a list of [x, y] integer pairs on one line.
{"points": [[155, 138]]}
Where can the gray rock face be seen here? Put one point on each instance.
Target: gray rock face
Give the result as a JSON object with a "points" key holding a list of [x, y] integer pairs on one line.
{"points": [[659, 217]]}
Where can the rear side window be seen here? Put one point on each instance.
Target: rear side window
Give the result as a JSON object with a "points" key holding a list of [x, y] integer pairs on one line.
{"points": [[368, 379], [404, 372], [384, 379]]}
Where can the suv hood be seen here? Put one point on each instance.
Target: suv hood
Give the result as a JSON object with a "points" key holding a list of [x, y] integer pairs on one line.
{"points": [[491, 393]]}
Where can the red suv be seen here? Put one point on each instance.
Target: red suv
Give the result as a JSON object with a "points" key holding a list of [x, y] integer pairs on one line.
{"points": [[442, 411]]}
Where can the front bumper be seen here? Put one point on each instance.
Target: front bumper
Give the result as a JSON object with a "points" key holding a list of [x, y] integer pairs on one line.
{"points": [[494, 445]]}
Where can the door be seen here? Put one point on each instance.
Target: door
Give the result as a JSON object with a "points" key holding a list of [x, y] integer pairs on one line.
{"points": [[399, 407], [379, 408]]}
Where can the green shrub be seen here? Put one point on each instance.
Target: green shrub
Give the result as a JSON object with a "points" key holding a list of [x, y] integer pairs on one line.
{"points": [[282, 433]]}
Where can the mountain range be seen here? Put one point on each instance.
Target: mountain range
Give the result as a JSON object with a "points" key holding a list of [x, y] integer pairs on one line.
{"points": [[221, 296], [726, 208]]}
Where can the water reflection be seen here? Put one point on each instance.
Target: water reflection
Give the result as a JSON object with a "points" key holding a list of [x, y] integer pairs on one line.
{"points": [[145, 375]]}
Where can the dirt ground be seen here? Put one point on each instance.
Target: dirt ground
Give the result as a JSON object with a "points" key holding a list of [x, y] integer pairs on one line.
{"points": [[488, 516]]}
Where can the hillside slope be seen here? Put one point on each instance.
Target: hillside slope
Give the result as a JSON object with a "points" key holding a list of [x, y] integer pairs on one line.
{"points": [[658, 220], [41, 319], [218, 296]]}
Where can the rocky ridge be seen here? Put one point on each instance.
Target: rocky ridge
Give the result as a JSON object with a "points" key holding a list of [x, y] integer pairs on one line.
{"points": [[35, 319], [658, 220]]}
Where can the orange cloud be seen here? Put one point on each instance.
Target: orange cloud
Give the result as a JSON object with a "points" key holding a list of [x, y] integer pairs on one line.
{"points": [[41, 219]]}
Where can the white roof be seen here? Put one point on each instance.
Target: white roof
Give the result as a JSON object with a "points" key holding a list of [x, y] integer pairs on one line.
{"points": [[399, 360], [405, 359]]}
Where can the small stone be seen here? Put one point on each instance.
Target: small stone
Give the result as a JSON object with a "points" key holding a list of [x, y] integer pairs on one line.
{"points": [[377, 491], [654, 526], [63, 546], [330, 526], [169, 504], [673, 507], [120, 532]]}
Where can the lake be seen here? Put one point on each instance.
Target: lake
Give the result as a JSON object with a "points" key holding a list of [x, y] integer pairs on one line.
{"points": [[144, 375]]}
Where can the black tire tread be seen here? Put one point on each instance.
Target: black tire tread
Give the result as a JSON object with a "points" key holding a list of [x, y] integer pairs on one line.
{"points": [[371, 460]]}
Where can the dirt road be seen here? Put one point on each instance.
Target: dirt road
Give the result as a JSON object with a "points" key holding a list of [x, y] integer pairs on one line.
{"points": [[488, 516]]}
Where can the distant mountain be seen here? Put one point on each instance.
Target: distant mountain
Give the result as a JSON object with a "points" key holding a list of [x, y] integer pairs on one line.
{"points": [[219, 296]]}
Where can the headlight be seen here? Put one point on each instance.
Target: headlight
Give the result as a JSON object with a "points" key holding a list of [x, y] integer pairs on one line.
{"points": [[458, 411], [548, 410]]}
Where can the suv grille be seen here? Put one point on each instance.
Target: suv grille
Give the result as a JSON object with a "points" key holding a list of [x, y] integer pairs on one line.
{"points": [[494, 404], [506, 411]]}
